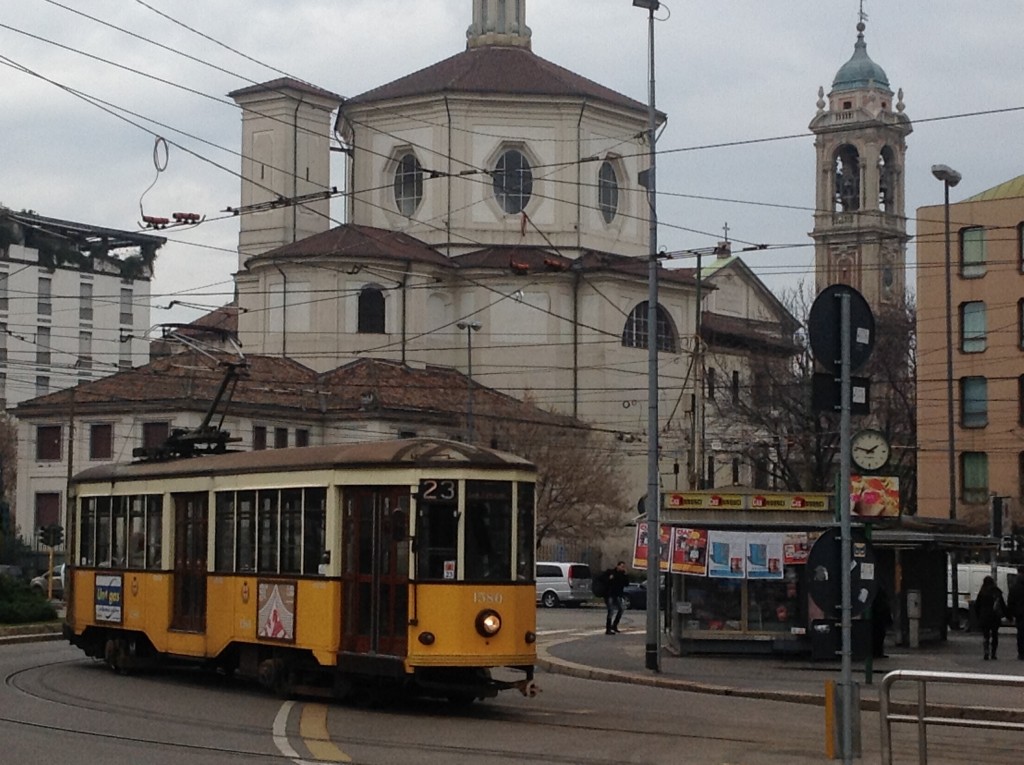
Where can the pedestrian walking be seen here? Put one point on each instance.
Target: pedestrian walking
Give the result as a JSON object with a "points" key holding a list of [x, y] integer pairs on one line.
{"points": [[615, 582], [1015, 608], [881, 620], [989, 608]]}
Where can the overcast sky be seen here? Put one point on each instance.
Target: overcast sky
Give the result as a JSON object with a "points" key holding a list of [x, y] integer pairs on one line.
{"points": [[728, 72]]}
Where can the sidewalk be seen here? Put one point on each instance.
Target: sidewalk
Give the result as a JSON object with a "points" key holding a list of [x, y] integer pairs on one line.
{"points": [[593, 655]]}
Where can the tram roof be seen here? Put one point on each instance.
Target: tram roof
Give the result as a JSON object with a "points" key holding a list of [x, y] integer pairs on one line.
{"points": [[406, 452]]}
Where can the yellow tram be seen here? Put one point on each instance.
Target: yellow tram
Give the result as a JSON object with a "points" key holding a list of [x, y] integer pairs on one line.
{"points": [[405, 563]]}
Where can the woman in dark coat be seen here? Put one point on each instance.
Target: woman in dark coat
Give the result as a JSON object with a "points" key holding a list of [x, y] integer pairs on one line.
{"points": [[990, 608]]}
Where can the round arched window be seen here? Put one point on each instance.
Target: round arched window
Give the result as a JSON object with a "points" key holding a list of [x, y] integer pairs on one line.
{"points": [[408, 184], [607, 191], [513, 181]]}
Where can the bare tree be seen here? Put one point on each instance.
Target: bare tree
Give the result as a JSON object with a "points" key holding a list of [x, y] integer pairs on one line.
{"points": [[580, 485]]}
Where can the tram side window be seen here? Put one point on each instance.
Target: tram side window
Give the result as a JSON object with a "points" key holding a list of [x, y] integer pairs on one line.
{"points": [[245, 555], [267, 533], [121, 532], [102, 556], [87, 537], [291, 531], [525, 534], [154, 531], [488, 530], [136, 532], [436, 533], [314, 531], [224, 532]]}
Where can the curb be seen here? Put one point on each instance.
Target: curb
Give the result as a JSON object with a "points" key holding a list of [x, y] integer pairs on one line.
{"points": [[564, 667], [31, 637]]}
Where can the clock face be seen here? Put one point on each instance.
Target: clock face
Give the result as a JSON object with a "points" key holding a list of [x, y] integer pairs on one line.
{"points": [[869, 450]]}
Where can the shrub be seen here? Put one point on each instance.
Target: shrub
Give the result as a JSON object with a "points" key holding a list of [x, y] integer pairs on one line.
{"points": [[19, 604]]}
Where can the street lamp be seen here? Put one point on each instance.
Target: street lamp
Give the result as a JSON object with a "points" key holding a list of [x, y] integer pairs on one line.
{"points": [[950, 178], [470, 327], [648, 179]]}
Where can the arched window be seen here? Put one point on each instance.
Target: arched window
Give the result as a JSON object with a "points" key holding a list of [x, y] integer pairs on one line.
{"points": [[634, 334], [408, 184], [513, 181], [607, 191], [847, 179], [371, 311]]}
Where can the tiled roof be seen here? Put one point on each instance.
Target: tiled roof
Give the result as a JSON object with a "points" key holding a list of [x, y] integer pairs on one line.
{"points": [[1007, 190], [733, 331], [272, 385], [286, 83], [358, 241], [497, 70]]}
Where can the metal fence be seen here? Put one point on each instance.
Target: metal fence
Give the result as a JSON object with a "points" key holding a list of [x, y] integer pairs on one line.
{"points": [[922, 719]]}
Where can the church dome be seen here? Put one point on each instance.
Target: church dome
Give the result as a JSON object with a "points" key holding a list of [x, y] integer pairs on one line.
{"points": [[860, 71]]}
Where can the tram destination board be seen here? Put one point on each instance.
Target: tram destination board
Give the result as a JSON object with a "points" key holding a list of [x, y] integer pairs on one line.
{"points": [[439, 491]]}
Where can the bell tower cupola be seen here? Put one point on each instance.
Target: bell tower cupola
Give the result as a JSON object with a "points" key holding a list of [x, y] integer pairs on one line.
{"points": [[860, 226], [498, 22]]}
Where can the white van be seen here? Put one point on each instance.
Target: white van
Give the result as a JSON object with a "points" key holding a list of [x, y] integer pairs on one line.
{"points": [[969, 578], [567, 583]]}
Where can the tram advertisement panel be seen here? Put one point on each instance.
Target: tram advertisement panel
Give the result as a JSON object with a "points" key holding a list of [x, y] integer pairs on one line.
{"points": [[108, 598], [276, 610]]}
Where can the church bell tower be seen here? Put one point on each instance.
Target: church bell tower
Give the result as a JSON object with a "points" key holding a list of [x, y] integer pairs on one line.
{"points": [[860, 225]]}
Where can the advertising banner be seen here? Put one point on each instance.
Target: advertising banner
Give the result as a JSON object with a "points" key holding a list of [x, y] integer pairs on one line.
{"points": [[764, 556], [727, 553], [642, 544], [690, 551], [875, 496], [796, 546]]}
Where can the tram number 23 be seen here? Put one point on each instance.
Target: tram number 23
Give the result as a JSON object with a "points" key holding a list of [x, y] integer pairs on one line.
{"points": [[438, 490]]}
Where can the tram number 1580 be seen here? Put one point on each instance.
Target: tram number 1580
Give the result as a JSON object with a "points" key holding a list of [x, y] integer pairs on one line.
{"points": [[439, 490]]}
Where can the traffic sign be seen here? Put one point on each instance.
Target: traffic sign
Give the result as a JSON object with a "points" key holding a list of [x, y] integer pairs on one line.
{"points": [[824, 573], [823, 326]]}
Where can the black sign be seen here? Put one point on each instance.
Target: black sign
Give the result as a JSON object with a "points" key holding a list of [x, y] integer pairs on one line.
{"points": [[823, 326], [824, 573], [826, 393]]}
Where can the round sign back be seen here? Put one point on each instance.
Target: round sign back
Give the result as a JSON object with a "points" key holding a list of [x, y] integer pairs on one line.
{"points": [[824, 326]]}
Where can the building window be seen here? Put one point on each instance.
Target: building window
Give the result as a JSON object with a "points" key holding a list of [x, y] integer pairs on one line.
{"points": [[973, 338], [634, 334], [735, 387], [301, 437], [974, 484], [101, 441], [43, 346], [85, 350], [154, 434], [280, 438], [607, 191], [972, 252], [48, 509], [3, 291], [124, 352], [709, 476], [42, 385], [1020, 247], [735, 471], [408, 184], [371, 311], [48, 440], [126, 306], [512, 181], [973, 402], [259, 437], [3, 342], [85, 301], [761, 472], [44, 304], [711, 383], [1020, 324]]}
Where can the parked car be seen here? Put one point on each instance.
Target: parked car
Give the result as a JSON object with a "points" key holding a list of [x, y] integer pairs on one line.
{"points": [[41, 583], [969, 578], [567, 583], [635, 595]]}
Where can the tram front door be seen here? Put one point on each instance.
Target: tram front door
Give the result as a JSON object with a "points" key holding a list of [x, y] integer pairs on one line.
{"points": [[376, 569], [191, 513]]}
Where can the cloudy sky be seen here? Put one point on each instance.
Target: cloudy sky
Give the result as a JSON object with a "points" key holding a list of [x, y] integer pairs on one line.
{"points": [[731, 74]]}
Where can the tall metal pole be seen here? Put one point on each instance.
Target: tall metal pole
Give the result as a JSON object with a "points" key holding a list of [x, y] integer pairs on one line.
{"points": [[845, 531], [470, 327], [950, 178], [653, 650]]}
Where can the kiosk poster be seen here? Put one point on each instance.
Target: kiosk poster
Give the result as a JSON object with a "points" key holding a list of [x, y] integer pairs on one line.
{"points": [[874, 496], [764, 556], [796, 546], [727, 552], [690, 551], [643, 543]]}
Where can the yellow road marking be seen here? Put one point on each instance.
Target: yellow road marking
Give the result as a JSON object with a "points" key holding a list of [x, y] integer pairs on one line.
{"points": [[313, 730]]}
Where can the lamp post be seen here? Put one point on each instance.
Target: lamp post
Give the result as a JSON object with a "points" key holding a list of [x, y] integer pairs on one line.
{"points": [[653, 649], [470, 327], [950, 178]]}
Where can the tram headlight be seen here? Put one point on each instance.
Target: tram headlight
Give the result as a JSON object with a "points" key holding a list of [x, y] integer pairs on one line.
{"points": [[488, 623]]}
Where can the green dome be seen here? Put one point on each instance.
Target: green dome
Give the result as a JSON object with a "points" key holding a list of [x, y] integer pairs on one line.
{"points": [[860, 71]]}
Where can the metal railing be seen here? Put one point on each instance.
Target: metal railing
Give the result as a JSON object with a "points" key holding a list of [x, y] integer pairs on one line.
{"points": [[922, 719]]}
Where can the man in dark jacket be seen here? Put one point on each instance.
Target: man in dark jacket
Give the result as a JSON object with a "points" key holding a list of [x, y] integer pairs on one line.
{"points": [[616, 581], [1015, 607]]}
